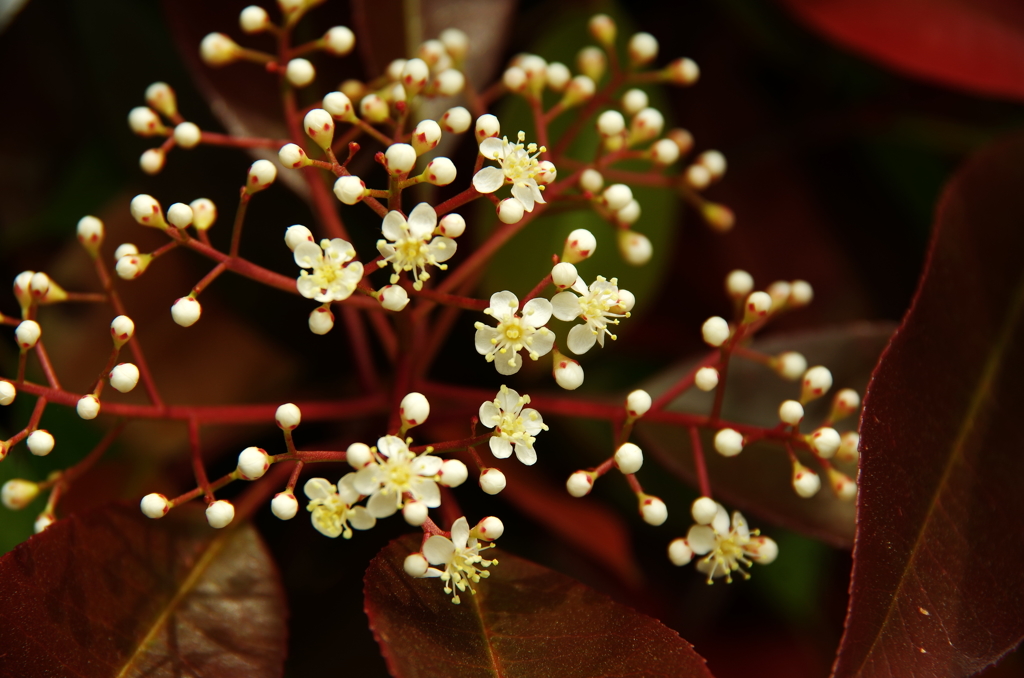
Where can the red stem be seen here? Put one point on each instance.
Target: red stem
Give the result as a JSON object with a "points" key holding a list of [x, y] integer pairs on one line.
{"points": [[699, 463]]}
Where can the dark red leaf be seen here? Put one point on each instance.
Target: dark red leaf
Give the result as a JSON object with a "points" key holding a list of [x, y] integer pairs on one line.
{"points": [[758, 481], [976, 45], [525, 620], [112, 593], [937, 588]]}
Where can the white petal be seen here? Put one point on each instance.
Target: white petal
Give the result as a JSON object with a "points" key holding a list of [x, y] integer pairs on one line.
{"points": [[460, 533], [426, 465], [524, 195], [427, 492], [542, 342], [581, 339], [739, 525], [318, 488], [526, 454], [565, 305], [488, 180], [361, 519], [306, 287], [508, 400], [483, 339], [442, 249], [501, 448], [701, 539], [438, 550], [339, 251], [503, 303], [392, 446], [367, 479], [393, 226], [347, 489], [382, 504], [493, 147], [490, 415], [307, 254], [537, 312], [720, 523], [532, 421], [422, 221], [508, 365]]}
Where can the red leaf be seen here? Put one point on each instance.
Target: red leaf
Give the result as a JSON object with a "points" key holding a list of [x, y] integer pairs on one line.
{"points": [[976, 45], [112, 593], [524, 620], [937, 587]]}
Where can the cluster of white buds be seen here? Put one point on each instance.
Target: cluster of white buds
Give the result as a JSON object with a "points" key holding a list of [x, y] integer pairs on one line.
{"points": [[161, 118]]}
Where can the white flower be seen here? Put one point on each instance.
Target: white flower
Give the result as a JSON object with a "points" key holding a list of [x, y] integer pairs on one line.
{"points": [[396, 474], [332, 507], [519, 167], [601, 305], [409, 246], [513, 425], [514, 332], [729, 549], [460, 557], [331, 279]]}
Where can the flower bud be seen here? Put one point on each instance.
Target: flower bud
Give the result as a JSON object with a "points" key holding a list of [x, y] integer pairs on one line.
{"points": [[399, 159], [453, 473], [800, 293], [253, 19], [262, 174], [492, 481], [790, 365], [204, 213], [40, 443], [791, 412], [121, 330], [152, 161], [284, 505], [682, 71], [617, 196], [393, 297], [22, 291], [217, 49], [288, 416], [296, 235], [154, 505], [805, 481], [373, 108], [592, 63], [440, 171], [628, 215], [728, 442], [625, 302], [339, 106], [715, 331], [144, 122], [489, 529], [664, 152], [645, 125], [180, 215], [186, 311], [90, 233], [415, 512], [299, 72], [847, 446], [187, 135], [579, 89], [42, 522], [636, 248], [845, 403], [679, 552], [738, 284], [160, 96], [426, 136], [455, 42], [350, 190], [17, 493], [514, 79], [638, 403], [653, 510], [610, 123], [825, 442], [580, 483], [510, 211], [319, 126], [456, 120], [414, 76], [414, 409], [633, 101], [88, 407], [415, 565], [8, 392], [27, 334], [220, 513], [629, 458], [779, 292], [321, 320], [487, 126], [124, 377], [704, 510], [579, 245], [132, 266], [564, 275], [706, 379], [757, 306], [714, 162], [359, 456], [452, 226], [557, 76], [449, 82], [643, 49], [817, 382], [253, 462], [591, 181], [602, 28], [339, 40]]}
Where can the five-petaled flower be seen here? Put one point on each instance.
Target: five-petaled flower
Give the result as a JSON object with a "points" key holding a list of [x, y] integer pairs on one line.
{"points": [[514, 332], [409, 246], [514, 426], [519, 167], [460, 557], [333, 507], [727, 550], [331, 279], [601, 305], [397, 474]]}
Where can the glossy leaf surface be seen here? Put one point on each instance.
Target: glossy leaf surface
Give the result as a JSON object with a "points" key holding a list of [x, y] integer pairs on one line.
{"points": [[937, 587], [525, 620], [976, 45], [112, 593]]}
